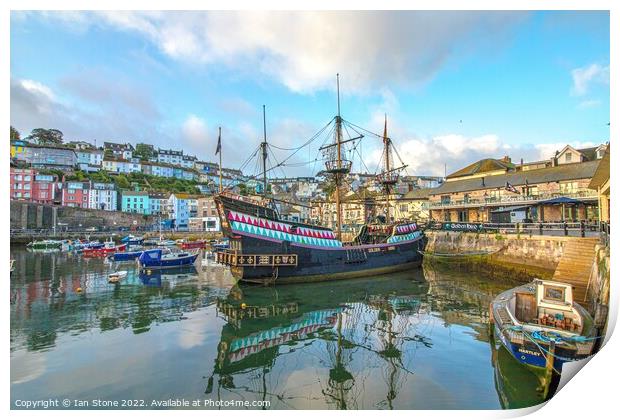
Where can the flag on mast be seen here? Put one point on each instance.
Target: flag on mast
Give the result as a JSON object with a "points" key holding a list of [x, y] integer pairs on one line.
{"points": [[219, 144], [511, 188]]}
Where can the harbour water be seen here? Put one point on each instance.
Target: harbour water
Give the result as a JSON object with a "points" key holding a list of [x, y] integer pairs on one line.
{"points": [[414, 340]]}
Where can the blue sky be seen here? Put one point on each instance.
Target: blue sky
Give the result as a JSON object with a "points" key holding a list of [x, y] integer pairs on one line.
{"points": [[456, 86]]}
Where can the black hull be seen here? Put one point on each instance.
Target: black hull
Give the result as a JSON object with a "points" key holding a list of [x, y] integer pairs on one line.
{"points": [[265, 250], [315, 265]]}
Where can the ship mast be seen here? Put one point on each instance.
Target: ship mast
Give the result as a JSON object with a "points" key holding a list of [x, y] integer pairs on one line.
{"points": [[339, 162], [389, 177], [263, 146]]}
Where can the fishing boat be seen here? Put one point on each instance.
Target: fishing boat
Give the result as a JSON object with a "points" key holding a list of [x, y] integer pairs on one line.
{"points": [[166, 242], [47, 244], [132, 240], [268, 250], [116, 276], [539, 324], [193, 244], [125, 256], [107, 249], [157, 259]]}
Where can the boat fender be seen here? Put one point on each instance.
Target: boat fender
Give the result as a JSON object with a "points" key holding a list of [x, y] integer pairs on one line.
{"points": [[78, 290], [243, 306]]}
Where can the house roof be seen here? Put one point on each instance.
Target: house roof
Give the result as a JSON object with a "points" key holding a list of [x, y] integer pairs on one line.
{"points": [[601, 175], [137, 193], [482, 166], [583, 170], [589, 153], [418, 194]]}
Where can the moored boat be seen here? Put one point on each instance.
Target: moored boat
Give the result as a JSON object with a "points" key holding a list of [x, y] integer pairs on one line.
{"points": [[539, 323], [264, 248], [157, 259], [125, 256], [45, 244], [193, 245], [116, 276], [132, 240], [107, 249]]}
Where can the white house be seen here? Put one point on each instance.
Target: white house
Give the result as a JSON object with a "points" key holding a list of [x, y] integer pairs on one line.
{"points": [[103, 197]]}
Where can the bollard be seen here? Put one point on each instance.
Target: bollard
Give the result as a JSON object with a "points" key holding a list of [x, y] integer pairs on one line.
{"points": [[565, 228], [540, 227], [582, 227]]}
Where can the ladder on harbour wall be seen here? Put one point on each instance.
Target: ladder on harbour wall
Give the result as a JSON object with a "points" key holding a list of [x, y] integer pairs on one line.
{"points": [[575, 266]]}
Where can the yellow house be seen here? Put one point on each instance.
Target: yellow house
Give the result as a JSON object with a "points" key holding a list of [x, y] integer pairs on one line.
{"points": [[600, 183], [412, 206]]}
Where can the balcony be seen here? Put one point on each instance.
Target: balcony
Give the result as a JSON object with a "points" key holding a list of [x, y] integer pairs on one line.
{"points": [[584, 194]]}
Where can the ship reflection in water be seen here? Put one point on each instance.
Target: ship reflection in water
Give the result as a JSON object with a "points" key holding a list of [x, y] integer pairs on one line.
{"points": [[402, 341]]}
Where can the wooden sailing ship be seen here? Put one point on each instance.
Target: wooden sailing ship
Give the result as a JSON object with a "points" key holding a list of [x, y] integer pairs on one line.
{"points": [[265, 249]]}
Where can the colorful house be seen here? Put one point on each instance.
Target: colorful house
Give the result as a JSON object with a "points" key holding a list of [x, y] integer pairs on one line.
{"points": [[135, 202]]}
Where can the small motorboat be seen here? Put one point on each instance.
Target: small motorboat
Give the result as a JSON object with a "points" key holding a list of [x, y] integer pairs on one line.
{"points": [[157, 259], [166, 242], [193, 245], [132, 240], [107, 249], [45, 244], [116, 276], [539, 323]]}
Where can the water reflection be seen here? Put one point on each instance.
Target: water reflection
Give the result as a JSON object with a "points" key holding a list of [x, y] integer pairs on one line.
{"points": [[409, 340]]}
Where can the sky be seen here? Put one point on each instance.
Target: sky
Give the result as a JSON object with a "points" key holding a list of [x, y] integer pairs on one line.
{"points": [[455, 86]]}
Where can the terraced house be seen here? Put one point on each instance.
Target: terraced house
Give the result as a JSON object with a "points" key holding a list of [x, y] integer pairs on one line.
{"points": [[497, 190]]}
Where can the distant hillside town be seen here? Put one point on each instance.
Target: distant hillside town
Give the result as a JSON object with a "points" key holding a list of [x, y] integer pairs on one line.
{"points": [[178, 187]]}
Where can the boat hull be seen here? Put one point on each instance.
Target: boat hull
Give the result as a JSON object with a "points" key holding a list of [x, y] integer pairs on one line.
{"points": [[153, 260], [315, 264]]}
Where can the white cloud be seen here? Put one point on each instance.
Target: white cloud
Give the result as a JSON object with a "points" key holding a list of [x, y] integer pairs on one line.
{"points": [[195, 133], [591, 103], [584, 77], [304, 50]]}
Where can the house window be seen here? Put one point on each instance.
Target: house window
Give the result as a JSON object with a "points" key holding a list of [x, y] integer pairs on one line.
{"points": [[569, 156], [445, 199]]}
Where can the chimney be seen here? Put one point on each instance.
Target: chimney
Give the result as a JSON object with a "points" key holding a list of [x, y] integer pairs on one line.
{"points": [[483, 181], [506, 159]]}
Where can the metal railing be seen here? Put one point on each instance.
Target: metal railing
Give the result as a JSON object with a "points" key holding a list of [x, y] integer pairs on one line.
{"points": [[576, 229], [516, 199]]}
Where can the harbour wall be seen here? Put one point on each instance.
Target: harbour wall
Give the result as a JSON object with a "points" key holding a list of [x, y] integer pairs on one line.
{"points": [[598, 287], [43, 216], [521, 257]]}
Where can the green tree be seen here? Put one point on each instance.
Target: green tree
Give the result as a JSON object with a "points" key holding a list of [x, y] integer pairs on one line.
{"points": [[43, 136], [122, 182], [143, 151], [15, 134]]}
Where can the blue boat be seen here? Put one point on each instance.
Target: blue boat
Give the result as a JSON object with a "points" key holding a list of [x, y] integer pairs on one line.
{"points": [[125, 256], [156, 259]]}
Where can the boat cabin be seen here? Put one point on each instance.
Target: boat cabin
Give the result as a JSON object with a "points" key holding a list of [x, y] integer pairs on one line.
{"points": [[550, 304]]}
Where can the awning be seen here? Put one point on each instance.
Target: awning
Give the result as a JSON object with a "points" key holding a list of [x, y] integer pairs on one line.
{"points": [[561, 200]]}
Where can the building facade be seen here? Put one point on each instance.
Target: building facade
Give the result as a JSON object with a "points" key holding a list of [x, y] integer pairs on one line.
{"points": [[75, 194], [551, 192], [135, 202], [103, 196], [29, 185]]}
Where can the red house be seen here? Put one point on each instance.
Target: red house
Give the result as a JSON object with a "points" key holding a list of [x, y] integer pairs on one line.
{"points": [[75, 194], [29, 185]]}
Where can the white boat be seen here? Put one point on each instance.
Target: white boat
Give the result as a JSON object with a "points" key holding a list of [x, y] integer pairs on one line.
{"points": [[116, 276]]}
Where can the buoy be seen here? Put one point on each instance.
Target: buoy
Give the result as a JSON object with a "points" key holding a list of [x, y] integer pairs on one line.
{"points": [[78, 290], [243, 306]]}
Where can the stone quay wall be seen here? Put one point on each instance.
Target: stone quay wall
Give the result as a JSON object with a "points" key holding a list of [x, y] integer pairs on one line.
{"points": [[26, 215], [520, 256]]}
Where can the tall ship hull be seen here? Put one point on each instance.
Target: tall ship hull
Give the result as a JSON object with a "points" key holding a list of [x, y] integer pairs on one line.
{"points": [[266, 250]]}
